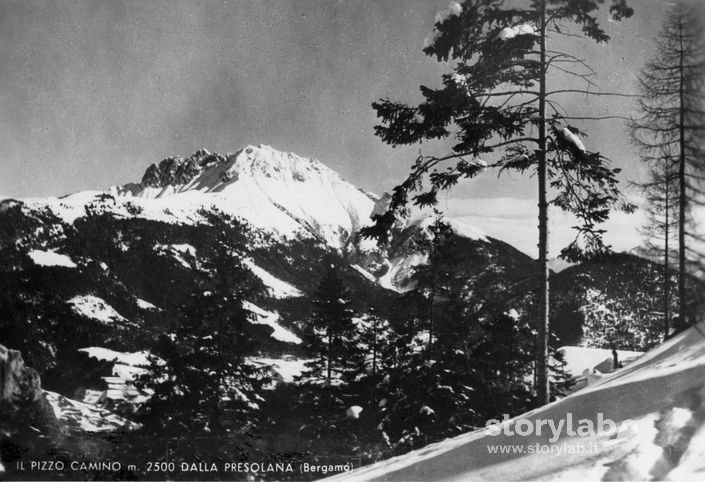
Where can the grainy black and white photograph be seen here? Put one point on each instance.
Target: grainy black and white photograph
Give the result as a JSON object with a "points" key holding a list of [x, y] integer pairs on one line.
{"points": [[352, 240]]}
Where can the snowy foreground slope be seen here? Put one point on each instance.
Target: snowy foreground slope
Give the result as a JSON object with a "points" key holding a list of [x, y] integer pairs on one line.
{"points": [[657, 403]]}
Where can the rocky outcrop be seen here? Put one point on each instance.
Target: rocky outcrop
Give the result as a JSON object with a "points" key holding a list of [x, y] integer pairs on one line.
{"points": [[178, 170], [22, 401]]}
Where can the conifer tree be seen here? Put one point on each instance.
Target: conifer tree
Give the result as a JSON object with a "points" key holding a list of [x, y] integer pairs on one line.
{"points": [[480, 363], [497, 99], [435, 279], [660, 232], [332, 323], [373, 336], [200, 377], [670, 132]]}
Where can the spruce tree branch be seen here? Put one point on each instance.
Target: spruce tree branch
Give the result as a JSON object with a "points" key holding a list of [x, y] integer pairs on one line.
{"points": [[558, 55], [553, 104], [596, 118], [510, 92], [563, 56], [512, 141], [431, 161], [585, 77], [565, 34], [588, 92]]}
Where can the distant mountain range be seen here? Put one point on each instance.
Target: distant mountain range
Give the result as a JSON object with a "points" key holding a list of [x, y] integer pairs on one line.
{"points": [[105, 270]]}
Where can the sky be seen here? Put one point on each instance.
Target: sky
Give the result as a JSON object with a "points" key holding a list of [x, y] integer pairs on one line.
{"points": [[92, 92]]}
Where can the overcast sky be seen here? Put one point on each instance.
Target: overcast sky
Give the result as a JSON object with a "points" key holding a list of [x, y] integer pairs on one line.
{"points": [[95, 91]]}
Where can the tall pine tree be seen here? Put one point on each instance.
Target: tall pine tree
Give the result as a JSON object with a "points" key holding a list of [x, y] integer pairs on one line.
{"points": [[671, 128], [332, 326], [660, 192], [497, 98]]}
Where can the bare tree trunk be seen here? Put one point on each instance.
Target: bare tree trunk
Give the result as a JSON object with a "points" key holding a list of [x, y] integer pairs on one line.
{"points": [[430, 324], [542, 389], [682, 183], [666, 277], [330, 347], [374, 348]]}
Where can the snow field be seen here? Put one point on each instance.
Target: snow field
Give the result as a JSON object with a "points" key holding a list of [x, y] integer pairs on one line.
{"points": [[661, 395], [95, 308], [51, 258], [277, 288]]}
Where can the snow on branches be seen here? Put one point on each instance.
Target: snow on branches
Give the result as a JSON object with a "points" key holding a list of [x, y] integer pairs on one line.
{"points": [[454, 9], [508, 33]]}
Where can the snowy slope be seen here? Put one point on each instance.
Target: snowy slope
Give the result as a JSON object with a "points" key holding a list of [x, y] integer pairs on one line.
{"points": [[264, 317], [658, 404], [277, 288], [579, 358]]}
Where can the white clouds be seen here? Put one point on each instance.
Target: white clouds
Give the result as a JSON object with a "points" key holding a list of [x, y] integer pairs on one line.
{"points": [[516, 222]]}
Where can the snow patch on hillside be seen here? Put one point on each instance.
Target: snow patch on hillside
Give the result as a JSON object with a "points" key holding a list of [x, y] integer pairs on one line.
{"points": [[185, 254], [286, 369], [387, 280], [364, 272], [263, 317], [400, 270], [467, 231], [79, 416], [424, 220], [95, 308], [67, 208], [277, 288], [126, 368], [51, 258], [146, 305], [137, 359]]}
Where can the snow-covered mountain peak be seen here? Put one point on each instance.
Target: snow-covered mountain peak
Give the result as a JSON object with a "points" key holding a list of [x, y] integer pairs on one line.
{"points": [[215, 170], [178, 170], [282, 193], [263, 160]]}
